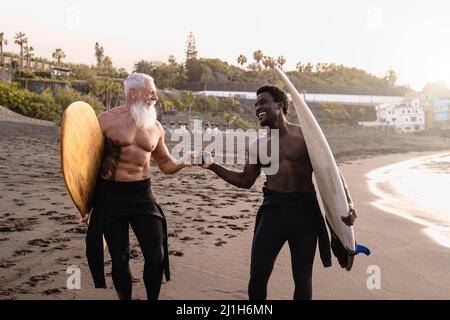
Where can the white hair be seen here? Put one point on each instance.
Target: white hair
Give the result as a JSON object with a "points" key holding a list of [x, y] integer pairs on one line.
{"points": [[136, 80]]}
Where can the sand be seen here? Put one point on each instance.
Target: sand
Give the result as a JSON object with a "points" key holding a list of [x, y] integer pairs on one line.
{"points": [[210, 231]]}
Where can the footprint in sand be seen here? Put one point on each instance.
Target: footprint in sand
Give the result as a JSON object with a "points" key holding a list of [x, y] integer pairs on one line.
{"points": [[22, 252], [136, 280], [176, 253], [19, 203], [207, 233], [61, 260], [61, 247], [6, 264], [187, 239], [78, 230], [50, 292], [48, 213], [36, 280], [135, 254], [39, 243], [235, 227], [230, 217], [220, 242], [230, 236]]}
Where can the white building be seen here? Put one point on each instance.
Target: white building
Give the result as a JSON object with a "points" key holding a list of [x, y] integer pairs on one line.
{"points": [[362, 100], [405, 116]]}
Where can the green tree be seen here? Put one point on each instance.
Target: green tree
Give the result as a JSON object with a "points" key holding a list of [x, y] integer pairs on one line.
{"points": [[28, 52], [188, 100], [242, 60], [281, 60], [191, 47], [99, 54], [269, 62], [3, 42], [172, 60], [258, 56], [391, 77], [107, 67], [193, 66], [21, 40], [58, 55]]}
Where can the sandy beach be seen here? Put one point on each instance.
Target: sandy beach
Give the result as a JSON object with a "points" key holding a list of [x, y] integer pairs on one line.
{"points": [[210, 231]]}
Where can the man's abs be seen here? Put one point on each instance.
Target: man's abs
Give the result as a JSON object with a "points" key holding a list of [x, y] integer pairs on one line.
{"points": [[125, 163]]}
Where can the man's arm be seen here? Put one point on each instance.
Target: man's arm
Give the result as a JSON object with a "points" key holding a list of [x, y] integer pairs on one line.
{"points": [[244, 179], [164, 160], [241, 179]]}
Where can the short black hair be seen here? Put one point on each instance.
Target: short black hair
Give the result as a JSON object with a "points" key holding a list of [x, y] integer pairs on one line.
{"points": [[277, 94]]}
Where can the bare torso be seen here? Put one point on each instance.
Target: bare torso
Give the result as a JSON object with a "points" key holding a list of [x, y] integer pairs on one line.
{"points": [[128, 149], [295, 169]]}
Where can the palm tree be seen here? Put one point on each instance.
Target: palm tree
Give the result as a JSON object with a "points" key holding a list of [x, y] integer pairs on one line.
{"points": [[258, 56], [28, 54], [299, 66], [281, 61], [269, 62], [21, 39], [99, 54], [58, 55], [3, 42], [242, 60]]}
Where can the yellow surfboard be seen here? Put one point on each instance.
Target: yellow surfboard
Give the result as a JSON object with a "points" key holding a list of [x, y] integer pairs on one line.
{"points": [[82, 145]]}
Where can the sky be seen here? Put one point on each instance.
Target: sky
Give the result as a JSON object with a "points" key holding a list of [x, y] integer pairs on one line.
{"points": [[411, 37]]}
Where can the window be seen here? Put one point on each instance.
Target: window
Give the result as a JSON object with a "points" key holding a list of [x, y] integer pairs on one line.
{"points": [[406, 120], [413, 118]]}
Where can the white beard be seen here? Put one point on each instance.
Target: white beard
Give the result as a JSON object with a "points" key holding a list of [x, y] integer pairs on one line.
{"points": [[143, 114]]}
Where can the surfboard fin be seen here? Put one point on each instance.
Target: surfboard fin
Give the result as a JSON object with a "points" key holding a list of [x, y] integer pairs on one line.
{"points": [[362, 249]]}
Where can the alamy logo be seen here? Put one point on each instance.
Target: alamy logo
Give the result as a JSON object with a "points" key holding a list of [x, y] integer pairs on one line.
{"points": [[74, 279], [230, 146], [374, 280]]}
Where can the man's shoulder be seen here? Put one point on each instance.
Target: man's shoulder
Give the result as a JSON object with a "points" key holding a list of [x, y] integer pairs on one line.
{"points": [[159, 127], [110, 114]]}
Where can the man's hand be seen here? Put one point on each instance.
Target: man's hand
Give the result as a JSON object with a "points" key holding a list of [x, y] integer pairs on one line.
{"points": [[84, 220], [207, 160], [349, 220], [188, 159]]}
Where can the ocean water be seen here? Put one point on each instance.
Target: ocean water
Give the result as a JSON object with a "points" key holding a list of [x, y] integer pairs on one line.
{"points": [[417, 190]]}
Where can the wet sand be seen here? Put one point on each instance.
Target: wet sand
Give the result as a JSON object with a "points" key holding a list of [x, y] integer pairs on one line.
{"points": [[210, 231]]}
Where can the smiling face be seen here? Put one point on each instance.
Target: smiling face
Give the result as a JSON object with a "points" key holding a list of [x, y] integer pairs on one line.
{"points": [[266, 109]]}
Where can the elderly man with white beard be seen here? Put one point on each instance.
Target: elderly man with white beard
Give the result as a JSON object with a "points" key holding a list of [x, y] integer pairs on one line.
{"points": [[123, 194]]}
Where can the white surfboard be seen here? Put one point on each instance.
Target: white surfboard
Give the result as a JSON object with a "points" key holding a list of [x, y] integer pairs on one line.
{"points": [[326, 173]]}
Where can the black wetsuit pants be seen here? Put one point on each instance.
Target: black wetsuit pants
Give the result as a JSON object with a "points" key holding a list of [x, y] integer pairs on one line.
{"points": [[149, 233], [293, 219]]}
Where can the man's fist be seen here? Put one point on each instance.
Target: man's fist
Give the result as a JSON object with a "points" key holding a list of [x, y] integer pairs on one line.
{"points": [[84, 220], [207, 159], [188, 159], [349, 220]]}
